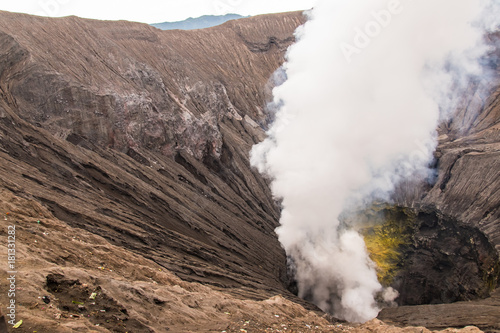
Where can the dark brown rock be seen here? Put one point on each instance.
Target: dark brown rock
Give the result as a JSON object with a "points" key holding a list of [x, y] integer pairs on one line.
{"points": [[445, 262]]}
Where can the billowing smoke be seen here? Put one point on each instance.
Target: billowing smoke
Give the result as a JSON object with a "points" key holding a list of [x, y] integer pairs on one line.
{"points": [[367, 83]]}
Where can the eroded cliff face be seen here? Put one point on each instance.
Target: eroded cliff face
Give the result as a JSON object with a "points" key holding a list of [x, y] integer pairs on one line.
{"points": [[130, 86], [468, 155], [142, 136]]}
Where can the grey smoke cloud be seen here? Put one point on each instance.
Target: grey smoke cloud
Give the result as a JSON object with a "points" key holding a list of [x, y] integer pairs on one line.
{"points": [[367, 83]]}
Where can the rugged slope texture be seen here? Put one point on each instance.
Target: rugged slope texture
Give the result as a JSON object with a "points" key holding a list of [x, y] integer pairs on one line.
{"points": [[467, 193], [142, 136], [468, 186], [133, 294]]}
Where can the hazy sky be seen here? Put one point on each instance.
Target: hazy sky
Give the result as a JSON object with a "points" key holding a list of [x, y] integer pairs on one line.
{"points": [[151, 11]]}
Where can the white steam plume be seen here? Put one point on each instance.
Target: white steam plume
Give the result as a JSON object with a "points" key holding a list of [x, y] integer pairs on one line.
{"points": [[366, 88]]}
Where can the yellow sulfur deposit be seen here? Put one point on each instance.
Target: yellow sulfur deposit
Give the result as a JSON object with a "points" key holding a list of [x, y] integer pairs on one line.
{"points": [[386, 239]]}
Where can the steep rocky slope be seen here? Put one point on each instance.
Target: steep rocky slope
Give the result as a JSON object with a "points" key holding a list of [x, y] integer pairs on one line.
{"points": [[469, 160], [467, 194], [468, 186], [142, 136]]}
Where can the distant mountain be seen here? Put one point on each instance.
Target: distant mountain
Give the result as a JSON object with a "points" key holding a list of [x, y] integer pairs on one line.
{"points": [[201, 22]]}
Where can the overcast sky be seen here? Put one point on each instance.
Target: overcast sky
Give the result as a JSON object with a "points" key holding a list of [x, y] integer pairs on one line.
{"points": [[151, 11]]}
